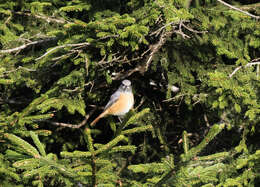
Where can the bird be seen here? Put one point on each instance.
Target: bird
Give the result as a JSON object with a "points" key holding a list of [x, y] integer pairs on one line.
{"points": [[119, 103]]}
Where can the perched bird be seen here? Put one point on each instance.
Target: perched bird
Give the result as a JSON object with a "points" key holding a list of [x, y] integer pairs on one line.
{"points": [[120, 102]]}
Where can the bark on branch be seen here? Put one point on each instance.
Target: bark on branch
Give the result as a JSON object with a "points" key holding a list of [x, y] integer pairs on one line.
{"points": [[27, 45], [235, 8], [239, 67]]}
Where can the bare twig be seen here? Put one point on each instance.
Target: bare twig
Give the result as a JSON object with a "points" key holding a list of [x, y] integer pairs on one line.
{"points": [[84, 44], [157, 32], [192, 30], [140, 104], [20, 67], [235, 8], [155, 48], [239, 67], [108, 36], [123, 75], [206, 120], [77, 88], [65, 55], [175, 97], [46, 18], [27, 45], [72, 125]]}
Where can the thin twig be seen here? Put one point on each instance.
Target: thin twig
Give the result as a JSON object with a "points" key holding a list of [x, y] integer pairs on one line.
{"points": [[123, 75], [65, 55], [239, 67], [155, 48], [175, 97], [27, 45], [192, 30], [235, 8], [140, 104], [157, 32], [20, 67], [72, 125], [47, 19], [63, 46], [77, 88], [206, 120]]}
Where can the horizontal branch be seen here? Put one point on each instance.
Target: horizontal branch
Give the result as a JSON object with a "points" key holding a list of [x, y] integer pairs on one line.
{"points": [[46, 18], [27, 45], [14, 70], [63, 46], [235, 8], [248, 65], [73, 126]]}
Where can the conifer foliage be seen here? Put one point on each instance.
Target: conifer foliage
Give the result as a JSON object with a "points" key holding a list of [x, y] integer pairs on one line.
{"points": [[194, 66]]}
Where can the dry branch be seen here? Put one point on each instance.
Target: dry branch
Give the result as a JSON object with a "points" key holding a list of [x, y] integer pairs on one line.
{"points": [[239, 67], [63, 46], [27, 45], [155, 48], [235, 8], [43, 17], [73, 126]]}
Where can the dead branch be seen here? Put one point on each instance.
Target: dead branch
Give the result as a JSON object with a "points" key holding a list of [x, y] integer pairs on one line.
{"points": [[20, 67], [123, 75], [155, 48], [235, 8], [79, 88], [239, 67], [158, 31], [192, 30], [46, 18], [27, 45], [84, 44], [73, 126]]}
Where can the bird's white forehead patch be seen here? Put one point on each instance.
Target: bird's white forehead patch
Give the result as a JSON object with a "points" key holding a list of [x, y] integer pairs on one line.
{"points": [[126, 82]]}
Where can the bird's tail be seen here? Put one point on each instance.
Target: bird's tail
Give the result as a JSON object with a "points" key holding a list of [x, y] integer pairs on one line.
{"points": [[98, 118]]}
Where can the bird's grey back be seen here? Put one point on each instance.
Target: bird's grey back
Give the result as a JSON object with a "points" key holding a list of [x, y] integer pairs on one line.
{"points": [[124, 87]]}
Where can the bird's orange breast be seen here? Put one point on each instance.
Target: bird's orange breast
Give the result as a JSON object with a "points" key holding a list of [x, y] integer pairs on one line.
{"points": [[124, 103]]}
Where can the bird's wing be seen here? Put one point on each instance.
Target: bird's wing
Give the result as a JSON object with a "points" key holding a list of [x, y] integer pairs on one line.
{"points": [[114, 97]]}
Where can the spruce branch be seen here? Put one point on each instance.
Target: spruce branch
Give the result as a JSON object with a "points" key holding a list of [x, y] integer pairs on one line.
{"points": [[170, 174], [28, 148], [153, 49], [185, 142], [27, 45], [6, 172], [215, 156], [134, 118], [110, 144], [89, 142], [138, 129], [237, 9], [191, 153], [215, 130], [38, 144], [75, 154]]}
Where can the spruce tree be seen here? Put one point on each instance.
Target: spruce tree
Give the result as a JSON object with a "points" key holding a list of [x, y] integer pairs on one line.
{"points": [[194, 66]]}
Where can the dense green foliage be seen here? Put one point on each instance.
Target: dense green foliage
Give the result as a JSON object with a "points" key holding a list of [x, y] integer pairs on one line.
{"points": [[194, 66]]}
